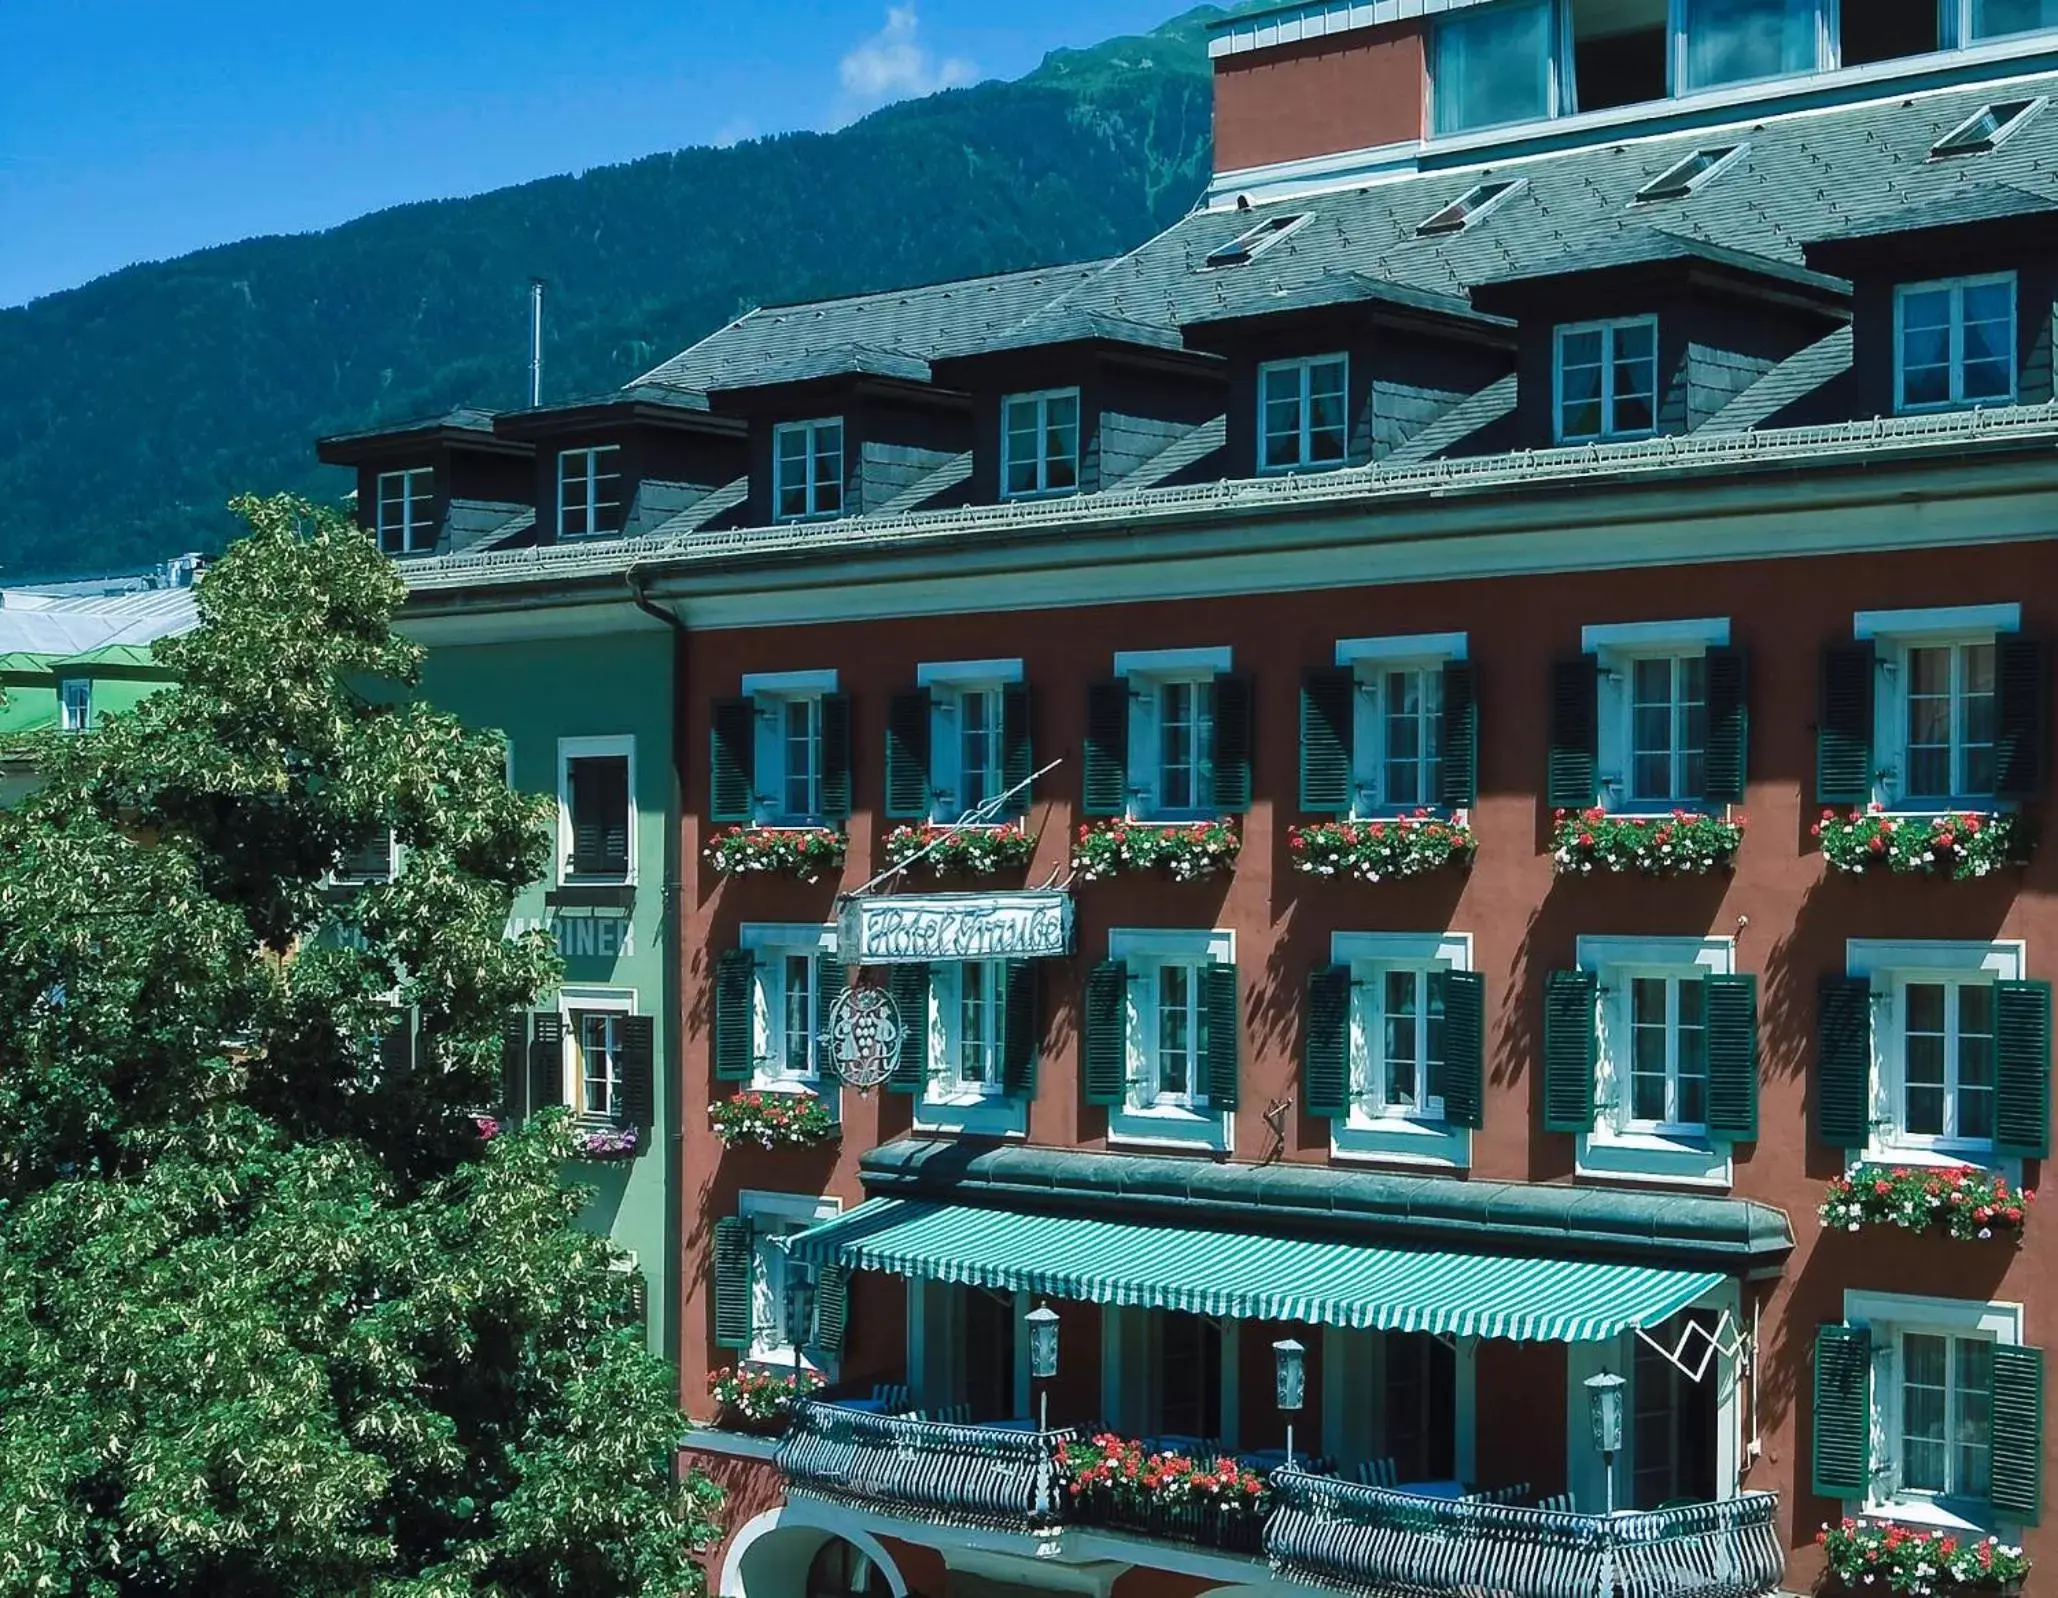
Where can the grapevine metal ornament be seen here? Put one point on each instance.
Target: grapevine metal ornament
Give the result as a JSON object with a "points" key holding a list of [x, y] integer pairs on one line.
{"points": [[863, 1036]]}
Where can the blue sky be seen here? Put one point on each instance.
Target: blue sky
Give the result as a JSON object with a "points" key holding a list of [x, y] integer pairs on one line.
{"points": [[138, 129]]}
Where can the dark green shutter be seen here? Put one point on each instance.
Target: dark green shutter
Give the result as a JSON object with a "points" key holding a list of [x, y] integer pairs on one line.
{"points": [[1843, 726], [514, 1066], [831, 978], [909, 985], [1106, 777], [1225, 1042], [2022, 715], [735, 1018], [2022, 1069], [1843, 1063], [1843, 1412], [908, 795], [396, 1048], [835, 757], [639, 1301], [1328, 734], [2016, 1478], [1729, 726], [600, 816], [1104, 1052], [1021, 1029], [1232, 776], [1326, 1060], [638, 1106], [546, 1061], [1570, 1056], [1732, 1042], [1017, 757], [832, 1309], [732, 789], [1460, 784], [733, 1248], [1464, 1047], [1574, 778]]}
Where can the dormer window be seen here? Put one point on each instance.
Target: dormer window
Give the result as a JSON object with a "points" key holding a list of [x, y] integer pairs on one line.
{"points": [[807, 469], [1040, 443], [75, 704], [589, 492], [405, 515], [1303, 413], [1954, 343], [1607, 380]]}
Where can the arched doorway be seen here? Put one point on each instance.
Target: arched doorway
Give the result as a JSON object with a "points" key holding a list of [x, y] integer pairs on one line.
{"points": [[800, 1550], [843, 1570]]}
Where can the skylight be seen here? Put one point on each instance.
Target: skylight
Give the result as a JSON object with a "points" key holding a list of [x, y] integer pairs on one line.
{"points": [[1469, 207], [1985, 128], [1247, 246], [1680, 179]]}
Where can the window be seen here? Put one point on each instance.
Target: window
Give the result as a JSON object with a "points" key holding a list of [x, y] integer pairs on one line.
{"points": [[1671, 728], [371, 859], [1493, 65], [1737, 41], [1468, 207], [1668, 1054], [1162, 1037], [791, 1017], [596, 1041], [800, 751], [1304, 413], [1950, 720], [1040, 439], [75, 704], [1390, 729], [1888, 30], [1393, 1061], [772, 1220], [1420, 1384], [406, 501], [1186, 744], [2001, 19], [596, 833], [1947, 1062], [1404, 1028], [979, 766], [589, 492], [1168, 738], [1673, 1420], [1985, 128], [1411, 725], [1668, 714], [1684, 177], [807, 470], [1179, 1038], [1621, 52], [1607, 380], [981, 1016], [1246, 246], [1955, 343], [1947, 1394], [1189, 1376], [958, 741]]}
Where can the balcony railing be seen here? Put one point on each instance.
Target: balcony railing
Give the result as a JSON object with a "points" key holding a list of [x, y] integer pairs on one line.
{"points": [[1387, 1544]]}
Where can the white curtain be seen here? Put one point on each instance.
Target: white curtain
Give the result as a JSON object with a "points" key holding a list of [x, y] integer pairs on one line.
{"points": [[1997, 19], [1493, 66], [1735, 41]]}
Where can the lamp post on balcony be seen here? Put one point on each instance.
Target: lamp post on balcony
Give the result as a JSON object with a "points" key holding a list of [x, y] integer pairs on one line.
{"points": [[1291, 1361], [1043, 1358], [800, 1315], [1604, 1409]]}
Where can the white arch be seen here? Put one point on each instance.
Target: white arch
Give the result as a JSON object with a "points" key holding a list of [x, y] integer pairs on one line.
{"points": [[802, 1517]]}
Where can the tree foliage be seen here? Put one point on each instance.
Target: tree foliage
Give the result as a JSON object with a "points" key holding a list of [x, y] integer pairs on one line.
{"points": [[275, 1318]]}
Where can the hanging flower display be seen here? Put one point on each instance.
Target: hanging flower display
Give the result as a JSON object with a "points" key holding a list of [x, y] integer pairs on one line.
{"points": [[1958, 844], [1123, 1469], [1873, 1556], [758, 1401], [773, 1120], [1682, 844], [809, 853], [1963, 1200], [1184, 852], [1381, 851], [962, 851], [606, 1142]]}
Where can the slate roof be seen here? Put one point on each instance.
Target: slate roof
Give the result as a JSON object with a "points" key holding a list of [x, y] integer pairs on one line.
{"points": [[32, 624]]}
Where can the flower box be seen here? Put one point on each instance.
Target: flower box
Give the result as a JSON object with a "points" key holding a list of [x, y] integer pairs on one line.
{"points": [[1381, 851], [809, 853], [1879, 1557], [1958, 844], [773, 1120], [1185, 852], [1115, 1481], [1682, 844], [962, 851], [604, 1142], [757, 1401], [1963, 1200]]}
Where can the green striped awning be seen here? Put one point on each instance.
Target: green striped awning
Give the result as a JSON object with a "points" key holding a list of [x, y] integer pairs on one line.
{"points": [[1246, 1277]]}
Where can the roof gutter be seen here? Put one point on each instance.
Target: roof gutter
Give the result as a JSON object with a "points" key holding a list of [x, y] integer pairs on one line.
{"points": [[639, 596]]}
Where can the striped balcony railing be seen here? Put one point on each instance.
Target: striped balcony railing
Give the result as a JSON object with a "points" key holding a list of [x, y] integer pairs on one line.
{"points": [[1380, 1543]]}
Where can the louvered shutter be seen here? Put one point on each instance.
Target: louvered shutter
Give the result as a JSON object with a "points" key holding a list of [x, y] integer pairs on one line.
{"points": [[1225, 1039], [546, 1061], [831, 978], [1460, 781], [909, 985], [1570, 1055], [908, 794], [1843, 727], [732, 794], [732, 1258], [1464, 1047], [2022, 1069], [1843, 1063], [1233, 730], [2022, 715], [735, 1015], [1732, 1043], [639, 1301], [1328, 731], [514, 1066], [1021, 1029], [1326, 1062], [1729, 726], [1104, 1053], [638, 1104], [396, 1047], [1574, 777], [2016, 1473], [1843, 1412], [832, 1309], [1017, 754], [836, 783], [1106, 779], [600, 816]]}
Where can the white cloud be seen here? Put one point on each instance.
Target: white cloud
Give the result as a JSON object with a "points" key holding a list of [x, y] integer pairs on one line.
{"points": [[894, 64]]}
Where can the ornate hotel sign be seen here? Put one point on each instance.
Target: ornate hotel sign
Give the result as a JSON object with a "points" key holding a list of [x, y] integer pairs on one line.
{"points": [[902, 929]]}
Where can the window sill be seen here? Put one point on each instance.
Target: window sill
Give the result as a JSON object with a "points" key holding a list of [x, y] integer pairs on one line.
{"points": [[1937, 1156], [1420, 1126], [1931, 1514], [1168, 1126], [1609, 1155], [808, 1087], [1393, 1140]]}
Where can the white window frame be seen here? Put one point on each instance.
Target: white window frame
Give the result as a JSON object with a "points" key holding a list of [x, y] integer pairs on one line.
{"points": [[1956, 287], [947, 1104], [1889, 1317], [1608, 330], [336, 878], [571, 1003], [771, 944], [1616, 647], [1041, 399], [1303, 460], [812, 430], [415, 534], [1893, 633], [948, 682], [75, 704], [597, 459], [1671, 1124], [1144, 1117], [1620, 1148], [1370, 1133], [569, 750], [771, 1342], [1370, 660], [1958, 17], [1148, 673], [770, 694]]}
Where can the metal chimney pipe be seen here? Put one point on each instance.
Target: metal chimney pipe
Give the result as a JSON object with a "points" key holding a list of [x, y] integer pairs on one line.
{"points": [[535, 341]]}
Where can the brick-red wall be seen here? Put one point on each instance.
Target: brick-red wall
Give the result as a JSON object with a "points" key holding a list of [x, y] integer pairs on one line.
{"points": [[1355, 91]]}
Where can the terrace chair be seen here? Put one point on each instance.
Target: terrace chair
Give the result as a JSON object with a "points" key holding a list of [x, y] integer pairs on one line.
{"points": [[954, 1415], [1557, 1503], [1379, 1473], [1500, 1495], [891, 1398]]}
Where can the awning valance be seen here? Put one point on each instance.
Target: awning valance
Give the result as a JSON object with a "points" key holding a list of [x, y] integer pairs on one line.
{"points": [[1244, 1276]]}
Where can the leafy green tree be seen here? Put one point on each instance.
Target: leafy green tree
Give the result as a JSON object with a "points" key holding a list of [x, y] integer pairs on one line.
{"points": [[277, 1315]]}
